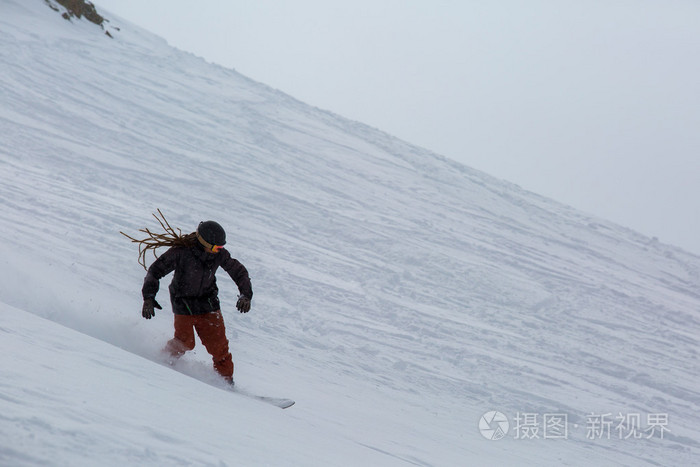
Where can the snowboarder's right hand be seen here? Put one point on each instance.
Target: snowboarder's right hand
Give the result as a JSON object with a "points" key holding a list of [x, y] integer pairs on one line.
{"points": [[149, 304]]}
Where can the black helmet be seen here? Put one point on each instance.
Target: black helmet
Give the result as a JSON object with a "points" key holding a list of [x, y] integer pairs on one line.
{"points": [[212, 233]]}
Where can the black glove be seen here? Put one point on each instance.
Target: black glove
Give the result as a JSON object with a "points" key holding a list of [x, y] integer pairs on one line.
{"points": [[243, 304], [148, 304]]}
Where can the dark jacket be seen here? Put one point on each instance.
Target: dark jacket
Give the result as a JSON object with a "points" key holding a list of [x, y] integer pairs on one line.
{"points": [[193, 290]]}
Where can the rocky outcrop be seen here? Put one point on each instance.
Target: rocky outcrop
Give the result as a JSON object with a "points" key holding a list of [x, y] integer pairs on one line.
{"points": [[79, 9]]}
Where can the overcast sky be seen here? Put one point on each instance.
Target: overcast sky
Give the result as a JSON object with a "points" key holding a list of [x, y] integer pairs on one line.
{"points": [[593, 103]]}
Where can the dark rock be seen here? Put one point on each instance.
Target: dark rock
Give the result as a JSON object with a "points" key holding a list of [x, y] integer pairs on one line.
{"points": [[80, 8]]}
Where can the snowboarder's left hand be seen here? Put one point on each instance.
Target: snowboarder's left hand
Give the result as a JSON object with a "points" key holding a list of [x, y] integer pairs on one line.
{"points": [[243, 304]]}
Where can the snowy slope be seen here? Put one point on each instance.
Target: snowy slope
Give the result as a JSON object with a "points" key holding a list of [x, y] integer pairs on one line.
{"points": [[69, 399], [399, 295]]}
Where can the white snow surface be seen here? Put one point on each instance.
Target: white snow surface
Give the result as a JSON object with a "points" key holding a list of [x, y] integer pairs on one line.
{"points": [[399, 296]]}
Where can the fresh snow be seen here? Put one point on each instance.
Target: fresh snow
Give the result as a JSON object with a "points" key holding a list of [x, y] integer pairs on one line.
{"points": [[399, 296]]}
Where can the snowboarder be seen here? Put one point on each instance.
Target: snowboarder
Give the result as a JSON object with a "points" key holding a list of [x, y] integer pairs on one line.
{"points": [[194, 258]]}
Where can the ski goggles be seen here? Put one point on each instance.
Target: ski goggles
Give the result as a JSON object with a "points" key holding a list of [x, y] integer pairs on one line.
{"points": [[209, 246]]}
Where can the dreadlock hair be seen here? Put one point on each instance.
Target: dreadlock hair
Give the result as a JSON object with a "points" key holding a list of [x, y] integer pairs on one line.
{"points": [[154, 240]]}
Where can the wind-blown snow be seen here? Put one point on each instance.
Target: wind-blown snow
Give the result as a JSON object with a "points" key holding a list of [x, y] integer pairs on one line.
{"points": [[399, 296]]}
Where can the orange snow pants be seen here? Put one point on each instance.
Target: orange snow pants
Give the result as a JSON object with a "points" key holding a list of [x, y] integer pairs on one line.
{"points": [[211, 330]]}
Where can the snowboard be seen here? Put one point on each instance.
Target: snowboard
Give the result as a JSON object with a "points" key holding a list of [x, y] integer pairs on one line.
{"points": [[177, 365], [280, 402]]}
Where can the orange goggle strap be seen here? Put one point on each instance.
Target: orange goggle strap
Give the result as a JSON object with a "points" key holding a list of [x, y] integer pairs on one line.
{"points": [[207, 245]]}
